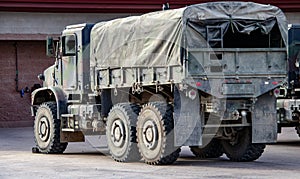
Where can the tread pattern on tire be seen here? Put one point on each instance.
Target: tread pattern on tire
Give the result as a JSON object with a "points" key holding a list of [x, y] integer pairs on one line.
{"points": [[253, 152], [55, 146], [213, 149], [169, 153], [250, 153], [131, 110]]}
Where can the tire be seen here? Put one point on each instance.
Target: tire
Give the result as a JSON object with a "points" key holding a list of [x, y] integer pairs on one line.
{"points": [[121, 132], [243, 150], [213, 149], [47, 130], [155, 134]]}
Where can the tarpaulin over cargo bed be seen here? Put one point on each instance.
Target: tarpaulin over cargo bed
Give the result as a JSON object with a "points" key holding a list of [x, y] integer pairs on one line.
{"points": [[158, 39]]}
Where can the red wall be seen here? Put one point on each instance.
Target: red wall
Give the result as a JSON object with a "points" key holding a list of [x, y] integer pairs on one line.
{"points": [[14, 110], [117, 6]]}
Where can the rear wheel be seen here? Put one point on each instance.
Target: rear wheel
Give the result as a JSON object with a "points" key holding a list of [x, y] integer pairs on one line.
{"points": [[241, 149], [121, 132], [47, 129], [155, 134], [213, 149]]}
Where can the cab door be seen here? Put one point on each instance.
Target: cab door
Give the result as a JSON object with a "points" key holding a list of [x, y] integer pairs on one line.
{"points": [[69, 62]]}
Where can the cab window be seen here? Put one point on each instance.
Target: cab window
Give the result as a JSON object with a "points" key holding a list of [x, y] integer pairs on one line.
{"points": [[69, 45]]}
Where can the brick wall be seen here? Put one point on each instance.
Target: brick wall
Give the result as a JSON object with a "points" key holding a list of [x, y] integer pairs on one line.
{"points": [[31, 60]]}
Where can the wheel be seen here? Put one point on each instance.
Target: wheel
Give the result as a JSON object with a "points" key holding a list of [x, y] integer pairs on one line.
{"points": [[155, 134], [121, 132], [242, 149], [47, 129], [213, 149]]}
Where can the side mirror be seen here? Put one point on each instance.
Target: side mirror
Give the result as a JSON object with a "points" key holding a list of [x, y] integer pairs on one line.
{"points": [[50, 47], [41, 77]]}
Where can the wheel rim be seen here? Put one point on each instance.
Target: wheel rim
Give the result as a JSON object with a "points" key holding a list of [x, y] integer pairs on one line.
{"points": [[150, 134], [118, 133], [44, 128]]}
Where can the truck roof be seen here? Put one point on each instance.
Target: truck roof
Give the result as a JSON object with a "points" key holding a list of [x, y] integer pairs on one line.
{"points": [[76, 26], [156, 39]]}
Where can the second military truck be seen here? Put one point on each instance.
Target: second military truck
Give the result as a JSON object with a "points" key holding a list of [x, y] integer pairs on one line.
{"points": [[288, 102], [201, 76]]}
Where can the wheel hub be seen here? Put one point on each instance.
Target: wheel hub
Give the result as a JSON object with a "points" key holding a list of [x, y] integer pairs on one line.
{"points": [[150, 134], [118, 133], [44, 129]]}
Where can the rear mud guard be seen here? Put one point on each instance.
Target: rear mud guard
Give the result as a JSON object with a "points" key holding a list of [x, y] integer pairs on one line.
{"points": [[187, 120], [264, 121]]}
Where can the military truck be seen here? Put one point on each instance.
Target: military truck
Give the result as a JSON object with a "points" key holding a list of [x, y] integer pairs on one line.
{"points": [[201, 76], [288, 102]]}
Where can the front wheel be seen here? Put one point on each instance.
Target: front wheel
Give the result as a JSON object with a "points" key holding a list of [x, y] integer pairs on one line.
{"points": [[47, 129], [241, 149]]}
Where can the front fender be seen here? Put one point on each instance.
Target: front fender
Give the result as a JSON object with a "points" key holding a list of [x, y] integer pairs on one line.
{"points": [[47, 94]]}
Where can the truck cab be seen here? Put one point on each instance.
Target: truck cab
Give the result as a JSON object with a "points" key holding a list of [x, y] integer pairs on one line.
{"points": [[64, 83], [72, 64], [68, 78]]}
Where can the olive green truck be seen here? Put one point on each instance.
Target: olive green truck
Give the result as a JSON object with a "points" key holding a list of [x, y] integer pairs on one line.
{"points": [[202, 76]]}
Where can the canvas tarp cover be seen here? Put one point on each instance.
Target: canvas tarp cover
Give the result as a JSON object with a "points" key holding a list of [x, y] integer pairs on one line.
{"points": [[158, 39]]}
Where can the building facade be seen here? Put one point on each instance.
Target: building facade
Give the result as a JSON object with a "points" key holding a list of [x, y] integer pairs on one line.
{"points": [[24, 25]]}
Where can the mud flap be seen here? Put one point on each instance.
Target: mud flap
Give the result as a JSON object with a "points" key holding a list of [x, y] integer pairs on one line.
{"points": [[187, 121], [264, 121]]}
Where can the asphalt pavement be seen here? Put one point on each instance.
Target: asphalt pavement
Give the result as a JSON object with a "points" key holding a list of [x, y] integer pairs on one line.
{"points": [[90, 160]]}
